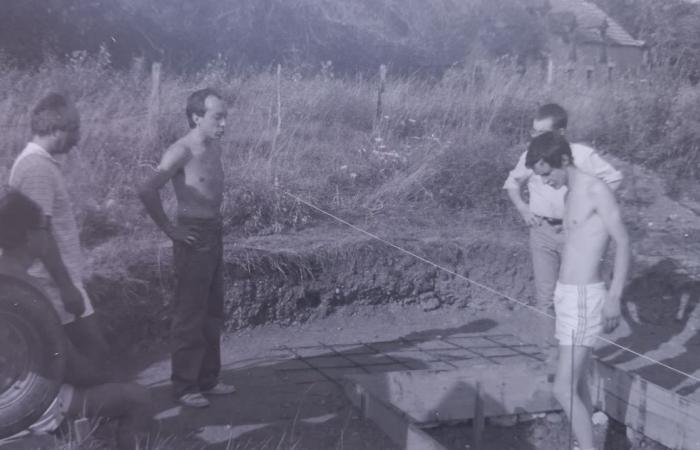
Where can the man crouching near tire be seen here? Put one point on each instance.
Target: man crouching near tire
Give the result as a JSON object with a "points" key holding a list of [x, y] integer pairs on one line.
{"points": [[583, 306], [85, 393]]}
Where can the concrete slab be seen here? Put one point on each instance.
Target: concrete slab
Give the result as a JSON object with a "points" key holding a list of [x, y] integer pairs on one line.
{"points": [[329, 361], [435, 345], [390, 346], [353, 349], [385, 368]]}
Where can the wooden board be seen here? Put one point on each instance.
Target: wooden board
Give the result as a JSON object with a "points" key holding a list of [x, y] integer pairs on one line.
{"points": [[657, 413], [402, 402], [428, 396], [392, 421]]}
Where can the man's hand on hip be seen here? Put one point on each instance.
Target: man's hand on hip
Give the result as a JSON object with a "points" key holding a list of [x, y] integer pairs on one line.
{"points": [[530, 219], [189, 235]]}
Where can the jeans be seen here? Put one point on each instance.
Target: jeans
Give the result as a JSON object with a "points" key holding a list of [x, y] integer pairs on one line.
{"points": [[197, 309]]}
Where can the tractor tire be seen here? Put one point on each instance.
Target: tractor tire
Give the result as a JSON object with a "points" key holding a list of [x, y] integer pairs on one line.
{"points": [[32, 354]]}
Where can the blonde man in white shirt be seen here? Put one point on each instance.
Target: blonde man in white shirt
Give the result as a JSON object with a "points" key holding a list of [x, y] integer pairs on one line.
{"points": [[38, 174], [544, 212]]}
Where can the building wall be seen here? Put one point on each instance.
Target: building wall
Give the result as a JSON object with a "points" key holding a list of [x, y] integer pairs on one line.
{"points": [[623, 59]]}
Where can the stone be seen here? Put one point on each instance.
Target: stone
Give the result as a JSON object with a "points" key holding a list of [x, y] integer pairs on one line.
{"points": [[430, 304], [554, 417], [599, 418], [530, 417], [504, 421], [539, 432]]}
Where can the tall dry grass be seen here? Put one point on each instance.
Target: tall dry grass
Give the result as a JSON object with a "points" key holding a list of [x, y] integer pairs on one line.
{"points": [[443, 142]]}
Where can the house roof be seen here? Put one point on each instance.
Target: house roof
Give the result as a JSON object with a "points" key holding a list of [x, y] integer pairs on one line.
{"points": [[589, 18]]}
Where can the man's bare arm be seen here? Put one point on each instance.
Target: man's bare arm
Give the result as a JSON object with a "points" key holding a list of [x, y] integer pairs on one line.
{"points": [[609, 211], [149, 194], [174, 159], [513, 185]]}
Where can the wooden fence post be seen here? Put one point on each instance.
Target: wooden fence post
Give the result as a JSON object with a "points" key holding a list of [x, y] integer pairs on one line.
{"points": [[154, 106], [611, 69], [380, 92], [278, 124], [478, 421]]}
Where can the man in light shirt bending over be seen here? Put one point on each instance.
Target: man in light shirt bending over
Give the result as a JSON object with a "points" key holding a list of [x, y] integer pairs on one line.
{"points": [[545, 210]]}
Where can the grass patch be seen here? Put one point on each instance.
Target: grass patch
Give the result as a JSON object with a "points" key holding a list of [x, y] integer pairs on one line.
{"points": [[440, 143]]}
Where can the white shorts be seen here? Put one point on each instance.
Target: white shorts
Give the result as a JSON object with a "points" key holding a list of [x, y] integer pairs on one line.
{"points": [[56, 412], [579, 313], [54, 296]]}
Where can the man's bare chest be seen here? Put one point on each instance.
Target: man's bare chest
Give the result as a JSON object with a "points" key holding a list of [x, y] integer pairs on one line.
{"points": [[205, 171], [579, 212]]}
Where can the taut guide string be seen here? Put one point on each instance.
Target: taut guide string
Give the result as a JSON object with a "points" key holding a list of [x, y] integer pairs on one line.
{"points": [[481, 285]]}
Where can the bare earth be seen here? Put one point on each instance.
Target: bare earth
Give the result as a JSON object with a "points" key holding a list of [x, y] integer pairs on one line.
{"points": [[279, 407]]}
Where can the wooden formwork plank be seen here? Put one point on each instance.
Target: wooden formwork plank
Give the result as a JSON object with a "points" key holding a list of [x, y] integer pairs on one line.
{"points": [[428, 396], [402, 401], [393, 422], [657, 413]]}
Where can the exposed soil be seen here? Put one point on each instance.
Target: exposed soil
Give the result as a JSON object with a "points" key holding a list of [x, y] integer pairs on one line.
{"points": [[333, 283]]}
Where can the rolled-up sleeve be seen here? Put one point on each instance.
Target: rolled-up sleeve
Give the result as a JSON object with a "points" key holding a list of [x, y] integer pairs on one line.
{"points": [[519, 175], [591, 162]]}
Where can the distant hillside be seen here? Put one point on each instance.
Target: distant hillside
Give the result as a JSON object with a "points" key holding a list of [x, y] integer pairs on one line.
{"points": [[353, 34]]}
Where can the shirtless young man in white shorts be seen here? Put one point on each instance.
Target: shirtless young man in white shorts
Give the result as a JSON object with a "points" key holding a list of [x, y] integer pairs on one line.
{"points": [[583, 306]]}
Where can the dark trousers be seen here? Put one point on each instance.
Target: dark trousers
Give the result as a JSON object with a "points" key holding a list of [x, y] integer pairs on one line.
{"points": [[197, 308]]}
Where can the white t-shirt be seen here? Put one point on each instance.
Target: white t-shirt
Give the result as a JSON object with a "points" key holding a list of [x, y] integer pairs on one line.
{"points": [[545, 201]]}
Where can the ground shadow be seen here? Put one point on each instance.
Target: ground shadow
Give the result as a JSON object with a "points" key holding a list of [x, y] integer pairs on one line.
{"points": [[661, 308], [284, 403]]}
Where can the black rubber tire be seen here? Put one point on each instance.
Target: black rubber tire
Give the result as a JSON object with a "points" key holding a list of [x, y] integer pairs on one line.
{"points": [[32, 355]]}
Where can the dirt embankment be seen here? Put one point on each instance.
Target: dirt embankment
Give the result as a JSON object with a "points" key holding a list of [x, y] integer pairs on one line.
{"points": [[296, 277], [268, 285]]}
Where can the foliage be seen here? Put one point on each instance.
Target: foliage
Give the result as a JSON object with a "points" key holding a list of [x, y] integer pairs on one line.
{"points": [[440, 143]]}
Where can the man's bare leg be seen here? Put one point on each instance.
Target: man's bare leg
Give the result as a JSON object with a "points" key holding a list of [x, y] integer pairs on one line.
{"points": [[571, 367], [583, 391]]}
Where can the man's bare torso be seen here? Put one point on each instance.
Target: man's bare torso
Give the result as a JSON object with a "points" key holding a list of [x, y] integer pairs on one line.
{"points": [[586, 235], [199, 185]]}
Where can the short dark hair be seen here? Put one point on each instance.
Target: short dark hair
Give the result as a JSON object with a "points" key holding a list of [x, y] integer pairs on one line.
{"points": [[549, 147], [18, 215], [560, 119], [52, 114], [195, 103]]}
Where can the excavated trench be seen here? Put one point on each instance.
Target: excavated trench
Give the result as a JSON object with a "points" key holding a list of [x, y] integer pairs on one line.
{"points": [[268, 286]]}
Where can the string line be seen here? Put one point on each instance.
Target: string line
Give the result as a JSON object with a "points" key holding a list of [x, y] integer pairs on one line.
{"points": [[476, 283]]}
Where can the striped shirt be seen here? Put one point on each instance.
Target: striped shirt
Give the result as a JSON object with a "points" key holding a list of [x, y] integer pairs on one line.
{"points": [[38, 175]]}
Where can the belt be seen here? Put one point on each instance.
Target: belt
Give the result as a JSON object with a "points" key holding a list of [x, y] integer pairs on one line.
{"points": [[552, 221]]}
